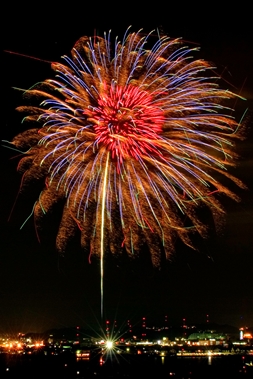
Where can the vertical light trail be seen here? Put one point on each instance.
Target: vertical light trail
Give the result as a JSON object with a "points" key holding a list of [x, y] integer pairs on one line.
{"points": [[102, 238]]}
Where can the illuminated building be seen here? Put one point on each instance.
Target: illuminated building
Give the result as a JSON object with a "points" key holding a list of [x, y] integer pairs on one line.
{"points": [[206, 339]]}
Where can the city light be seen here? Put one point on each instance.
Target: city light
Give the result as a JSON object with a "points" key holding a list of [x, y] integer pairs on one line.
{"points": [[109, 344]]}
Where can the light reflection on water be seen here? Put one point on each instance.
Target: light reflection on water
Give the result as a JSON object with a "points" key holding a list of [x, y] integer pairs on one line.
{"points": [[127, 366]]}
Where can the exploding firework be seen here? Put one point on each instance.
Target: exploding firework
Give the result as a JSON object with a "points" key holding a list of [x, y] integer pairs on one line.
{"points": [[132, 139]]}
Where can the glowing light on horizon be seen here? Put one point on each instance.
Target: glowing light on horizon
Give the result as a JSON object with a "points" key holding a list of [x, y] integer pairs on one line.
{"points": [[109, 344]]}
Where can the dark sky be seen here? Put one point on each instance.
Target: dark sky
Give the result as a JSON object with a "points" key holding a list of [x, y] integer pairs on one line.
{"points": [[40, 290]]}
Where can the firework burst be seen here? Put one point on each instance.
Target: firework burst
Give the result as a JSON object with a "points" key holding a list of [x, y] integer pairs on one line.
{"points": [[132, 139]]}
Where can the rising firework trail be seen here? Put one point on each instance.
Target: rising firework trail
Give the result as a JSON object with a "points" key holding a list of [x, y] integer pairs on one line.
{"points": [[134, 139]]}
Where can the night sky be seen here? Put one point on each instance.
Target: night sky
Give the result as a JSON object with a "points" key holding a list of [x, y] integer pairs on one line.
{"points": [[40, 290]]}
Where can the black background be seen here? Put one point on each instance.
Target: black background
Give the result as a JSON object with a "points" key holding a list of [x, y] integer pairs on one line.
{"points": [[40, 290]]}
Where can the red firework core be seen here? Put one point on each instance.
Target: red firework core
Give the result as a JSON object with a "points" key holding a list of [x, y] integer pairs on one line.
{"points": [[127, 120]]}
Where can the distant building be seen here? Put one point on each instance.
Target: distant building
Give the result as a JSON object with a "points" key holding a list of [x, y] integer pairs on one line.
{"points": [[245, 334], [207, 338]]}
